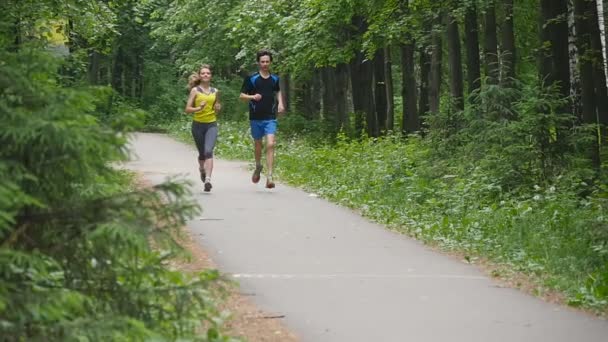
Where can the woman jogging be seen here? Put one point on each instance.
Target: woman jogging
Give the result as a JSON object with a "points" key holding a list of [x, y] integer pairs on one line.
{"points": [[203, 103]]}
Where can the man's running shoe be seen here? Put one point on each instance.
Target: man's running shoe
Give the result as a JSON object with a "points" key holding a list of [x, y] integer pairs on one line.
{"points": [[208, 186], [256, 174], [269, 183]]}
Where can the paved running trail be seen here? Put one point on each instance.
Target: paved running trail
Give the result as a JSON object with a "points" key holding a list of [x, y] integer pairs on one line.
{"points": [[337, 277]]}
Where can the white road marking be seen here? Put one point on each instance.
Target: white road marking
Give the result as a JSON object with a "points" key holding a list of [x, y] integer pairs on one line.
{"points": [[357, 276]]}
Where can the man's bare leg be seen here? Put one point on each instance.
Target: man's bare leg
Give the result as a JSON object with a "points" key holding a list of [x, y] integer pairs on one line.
{"points": [[258, 161], [270, 142]]}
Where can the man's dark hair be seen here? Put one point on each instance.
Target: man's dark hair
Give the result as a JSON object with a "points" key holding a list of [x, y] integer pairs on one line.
{"points": [[263, 53]]}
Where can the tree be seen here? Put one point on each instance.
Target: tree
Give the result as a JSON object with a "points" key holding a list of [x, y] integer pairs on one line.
{"points": [[491, 43], [584, 22], [390, 100], [471, 29], [410, 119], [380, 91], [508, 44], [436, 67], [455, 63]]}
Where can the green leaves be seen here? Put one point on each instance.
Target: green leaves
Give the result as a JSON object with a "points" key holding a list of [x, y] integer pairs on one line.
{"points": [[76, 261]]}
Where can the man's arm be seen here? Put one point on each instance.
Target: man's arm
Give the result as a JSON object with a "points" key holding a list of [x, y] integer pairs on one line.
{"points": [[246, 90], [281, 103], [247, 97]]}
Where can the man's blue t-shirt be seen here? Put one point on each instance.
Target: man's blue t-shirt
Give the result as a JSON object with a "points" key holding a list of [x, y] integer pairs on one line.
{"points": [[266, 108]]}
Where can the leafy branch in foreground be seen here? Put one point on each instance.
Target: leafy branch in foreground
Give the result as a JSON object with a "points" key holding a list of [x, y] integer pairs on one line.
{"points": [[76, 255]]}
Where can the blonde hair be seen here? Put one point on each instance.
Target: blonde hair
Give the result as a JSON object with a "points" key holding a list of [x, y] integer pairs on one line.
{"points": [[195, 79]]}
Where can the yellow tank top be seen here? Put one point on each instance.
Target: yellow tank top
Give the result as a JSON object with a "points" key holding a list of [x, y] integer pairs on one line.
{"points": [[207, 114]]}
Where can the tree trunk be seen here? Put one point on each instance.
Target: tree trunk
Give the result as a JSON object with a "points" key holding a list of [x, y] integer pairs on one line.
{"points": [[559, 46], [380, 90], [455, 63], [436, 71], [545, 62], [304, 100], [575, 103], [362, 73], [425, 71], [410, 120], [491, 44], [508, 43], [94, 60], [341, 96], [357, 93], [329, 96], [285, 84], [390, 100], [583, 30], [471, 29], [367, 83], [316, 95], [599, 74], [602, 27], [117, 71], [554, 60]]}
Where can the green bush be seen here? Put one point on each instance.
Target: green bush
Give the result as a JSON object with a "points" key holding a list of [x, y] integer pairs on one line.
{"points": [[76, 261]]}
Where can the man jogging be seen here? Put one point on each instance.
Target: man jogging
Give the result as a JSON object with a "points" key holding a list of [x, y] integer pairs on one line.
{"points": [[262, 91]]}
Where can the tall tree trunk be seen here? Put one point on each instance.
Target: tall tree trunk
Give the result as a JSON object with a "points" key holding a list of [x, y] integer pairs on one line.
{"points": [[436, 70], [455, 63], [491, 44], [118, 70], [285, 84], [380, 90], [602, 27], [410, 120], [362, 73], [93, 72], [471, 29], [508, 43], [357, 93], [425, 71], [329, 96], [367, 82], [341, 97], [599, 74], [140, 76], [545, 60], [554, 60], [316, 94], [575, 84], [129, 76], [559, 46], [589, 106], [304, 100], [390, 100]]}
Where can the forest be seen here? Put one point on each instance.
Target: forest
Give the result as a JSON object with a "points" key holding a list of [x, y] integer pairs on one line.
{"points": [[476, 126]]}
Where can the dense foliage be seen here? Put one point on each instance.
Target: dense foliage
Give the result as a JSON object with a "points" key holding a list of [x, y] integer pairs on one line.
{"points": [[84, 252]]}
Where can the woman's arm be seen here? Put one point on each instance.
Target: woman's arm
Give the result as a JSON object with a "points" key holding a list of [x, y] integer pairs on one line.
{"points": [[190, 103], [218, 105]]}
